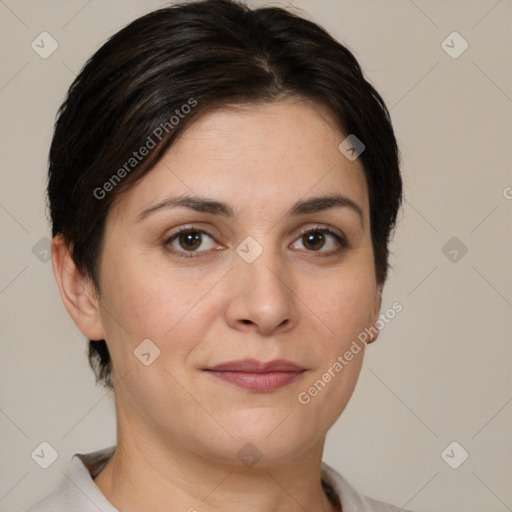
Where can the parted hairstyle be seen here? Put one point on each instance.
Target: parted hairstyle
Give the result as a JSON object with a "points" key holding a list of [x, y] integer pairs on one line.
{"points": [[151, 79]]}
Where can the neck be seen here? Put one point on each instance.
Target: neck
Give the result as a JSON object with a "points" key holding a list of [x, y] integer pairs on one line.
{"points": [[138, 479]]}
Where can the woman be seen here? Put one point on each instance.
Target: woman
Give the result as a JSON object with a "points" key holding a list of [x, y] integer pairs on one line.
{"points": [[223, 185]]}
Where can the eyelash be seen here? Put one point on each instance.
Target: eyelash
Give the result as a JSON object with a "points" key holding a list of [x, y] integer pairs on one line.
{"points": [[197, 254]]}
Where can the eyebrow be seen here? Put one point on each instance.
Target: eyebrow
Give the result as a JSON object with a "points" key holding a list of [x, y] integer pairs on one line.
{"points": [[205, 205]]}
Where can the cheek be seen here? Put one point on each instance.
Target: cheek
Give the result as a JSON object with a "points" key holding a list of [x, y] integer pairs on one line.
{"points": [[344, 302], [143, 301], [345, 306]]}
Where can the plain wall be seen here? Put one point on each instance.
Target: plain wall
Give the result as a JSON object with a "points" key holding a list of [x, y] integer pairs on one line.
{"points": [[439, 372]]}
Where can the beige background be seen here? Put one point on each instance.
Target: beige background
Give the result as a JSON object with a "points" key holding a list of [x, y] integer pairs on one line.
{"points": [[440, 371]]}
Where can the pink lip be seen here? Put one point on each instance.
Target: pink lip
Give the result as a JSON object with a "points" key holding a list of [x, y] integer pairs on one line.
{"points": [[257, 375]]}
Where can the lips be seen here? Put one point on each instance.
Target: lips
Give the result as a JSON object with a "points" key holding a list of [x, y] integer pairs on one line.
{"points": [[255, 366], [257, 375]]}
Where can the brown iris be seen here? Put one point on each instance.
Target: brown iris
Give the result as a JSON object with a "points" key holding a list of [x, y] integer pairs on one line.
{"points": [[190, 240], [314, 240]]}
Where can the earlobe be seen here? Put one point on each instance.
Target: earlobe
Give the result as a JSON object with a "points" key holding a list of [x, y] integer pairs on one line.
{"points": [[76, 290]]}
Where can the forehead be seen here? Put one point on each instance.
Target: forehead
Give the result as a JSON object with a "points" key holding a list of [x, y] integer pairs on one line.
{"points": [[251, 156]]}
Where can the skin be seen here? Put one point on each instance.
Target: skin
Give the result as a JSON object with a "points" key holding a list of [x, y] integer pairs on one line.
{"points": [[179, 427]]}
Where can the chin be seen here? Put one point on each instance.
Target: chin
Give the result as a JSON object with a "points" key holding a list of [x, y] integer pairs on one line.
{"points": [[273, 437]]}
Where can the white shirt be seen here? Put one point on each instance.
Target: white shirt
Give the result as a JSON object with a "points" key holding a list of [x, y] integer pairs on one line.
{"points": [[79, 493]]}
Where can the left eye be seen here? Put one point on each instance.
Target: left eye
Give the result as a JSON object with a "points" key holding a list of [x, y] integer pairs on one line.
{"points": [[319, 240]]}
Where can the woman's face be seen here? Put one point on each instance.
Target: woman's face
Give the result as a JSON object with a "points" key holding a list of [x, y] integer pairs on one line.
{"points": [[242, 283]]}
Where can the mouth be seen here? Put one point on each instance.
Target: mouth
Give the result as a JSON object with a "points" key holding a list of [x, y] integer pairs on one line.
{"points": [[257, 375]]}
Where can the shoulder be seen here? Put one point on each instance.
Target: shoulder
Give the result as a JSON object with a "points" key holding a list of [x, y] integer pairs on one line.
{"points": [[52, 503], [350, 499], [77, 491], [63, 499]]}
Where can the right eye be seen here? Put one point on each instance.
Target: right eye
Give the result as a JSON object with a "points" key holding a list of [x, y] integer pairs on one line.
{"points": [[189, 240]]}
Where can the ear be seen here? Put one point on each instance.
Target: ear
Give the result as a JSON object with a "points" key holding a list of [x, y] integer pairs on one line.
{"points": [[375, 314], [77, 291]]}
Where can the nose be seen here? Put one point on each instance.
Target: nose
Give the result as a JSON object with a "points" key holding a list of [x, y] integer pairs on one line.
{"points": [[261, 297]]}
